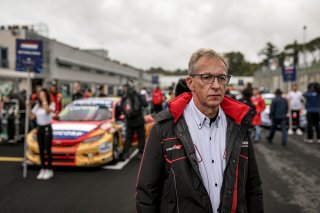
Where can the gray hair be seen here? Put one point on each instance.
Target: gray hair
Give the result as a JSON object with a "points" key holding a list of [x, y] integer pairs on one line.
{"points": [[205, 52]]}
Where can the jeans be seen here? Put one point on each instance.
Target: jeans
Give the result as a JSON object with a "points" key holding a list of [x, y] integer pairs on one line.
{"points": [[257, 133], [283, 126]]}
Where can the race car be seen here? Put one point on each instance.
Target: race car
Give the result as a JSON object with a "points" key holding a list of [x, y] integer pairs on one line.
{"points": [[87, 132]]}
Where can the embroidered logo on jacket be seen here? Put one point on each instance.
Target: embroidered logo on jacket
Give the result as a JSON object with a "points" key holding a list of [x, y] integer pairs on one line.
{"points": [[174, 147], [244, 144]]}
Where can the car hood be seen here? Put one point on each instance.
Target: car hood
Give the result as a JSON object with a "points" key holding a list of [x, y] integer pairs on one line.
{"points": [[72, 131]]}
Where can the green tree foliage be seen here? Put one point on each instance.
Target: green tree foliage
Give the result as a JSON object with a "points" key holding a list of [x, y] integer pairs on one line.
{"points": [[269, 52], [314, 47], [295, 49], [239, 66], [159, 70], [291, 50]]}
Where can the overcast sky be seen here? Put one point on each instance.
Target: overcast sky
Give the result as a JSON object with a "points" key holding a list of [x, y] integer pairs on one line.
{"points": [[164, 33]]}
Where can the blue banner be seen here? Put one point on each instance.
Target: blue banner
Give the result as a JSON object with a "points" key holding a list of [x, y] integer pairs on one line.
{"points": [[29, 54], [289, 73], [155, 79]]}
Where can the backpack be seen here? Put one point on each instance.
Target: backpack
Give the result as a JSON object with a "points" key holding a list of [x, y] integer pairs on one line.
{"points": [[132, 106], [143, 101], [157, 97]]}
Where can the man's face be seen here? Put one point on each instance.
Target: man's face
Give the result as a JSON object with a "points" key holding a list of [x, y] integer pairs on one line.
{"points": [[53, 89], [207, 95], [294, 87]]}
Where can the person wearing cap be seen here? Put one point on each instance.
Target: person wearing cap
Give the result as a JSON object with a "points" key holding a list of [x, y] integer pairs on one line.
{"points": [[199, 156], [278, 114]]}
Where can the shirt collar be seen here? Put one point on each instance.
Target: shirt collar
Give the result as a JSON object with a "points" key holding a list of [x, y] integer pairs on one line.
{"points": [[200, 119]]}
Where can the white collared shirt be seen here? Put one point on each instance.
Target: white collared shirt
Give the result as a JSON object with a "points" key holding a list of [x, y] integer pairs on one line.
{"points": [[210, 145]]}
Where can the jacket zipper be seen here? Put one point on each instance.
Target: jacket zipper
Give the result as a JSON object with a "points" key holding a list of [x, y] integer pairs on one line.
{"points": [[175, 187]]}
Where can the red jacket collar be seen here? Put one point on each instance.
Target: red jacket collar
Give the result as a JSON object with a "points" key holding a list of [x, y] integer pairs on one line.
{"points": [[233, 108]]}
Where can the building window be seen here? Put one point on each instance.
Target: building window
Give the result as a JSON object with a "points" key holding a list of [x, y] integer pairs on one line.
{"points": [[4, 57]]}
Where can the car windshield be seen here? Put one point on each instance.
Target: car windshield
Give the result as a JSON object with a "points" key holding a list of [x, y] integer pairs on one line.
{"points": [[85, 113]]}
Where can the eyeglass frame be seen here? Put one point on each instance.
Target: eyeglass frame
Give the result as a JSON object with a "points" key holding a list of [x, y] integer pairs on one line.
{"points": [[215, 76]]}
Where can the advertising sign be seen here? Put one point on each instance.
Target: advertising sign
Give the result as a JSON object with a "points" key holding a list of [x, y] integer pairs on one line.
{"points": [[155, 79], [289, 73], [29, 54]]}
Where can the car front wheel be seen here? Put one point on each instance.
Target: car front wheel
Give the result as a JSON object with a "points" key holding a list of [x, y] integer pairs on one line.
{"points": [[115, 151]]}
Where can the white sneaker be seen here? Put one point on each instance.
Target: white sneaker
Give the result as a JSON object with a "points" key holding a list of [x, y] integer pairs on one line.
{"points": [[318, 141], [41, 173], [308, 140], [299, 132], [47, 174], [51, 173], [290, 132]]}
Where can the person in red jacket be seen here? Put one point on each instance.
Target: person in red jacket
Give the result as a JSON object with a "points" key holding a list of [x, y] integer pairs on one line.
{"points": [[258, 102], [56, 98], [198, 156], [157, 100]]}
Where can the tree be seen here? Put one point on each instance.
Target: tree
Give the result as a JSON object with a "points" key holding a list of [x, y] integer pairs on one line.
{"points": [[295, 50], [269, 52], [313, 47], [159, 70], [238, 65]]}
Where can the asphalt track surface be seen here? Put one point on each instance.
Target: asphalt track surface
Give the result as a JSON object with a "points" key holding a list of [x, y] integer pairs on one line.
{"points": [[290, 176]]}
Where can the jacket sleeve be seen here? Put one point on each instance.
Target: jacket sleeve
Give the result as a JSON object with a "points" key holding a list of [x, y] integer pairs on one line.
{"points": [[254, 190], [151, 175], [272, 108], [261, 107]]}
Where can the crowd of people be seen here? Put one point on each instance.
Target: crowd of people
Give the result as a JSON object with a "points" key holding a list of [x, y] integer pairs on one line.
{"points": [[205, 121], [285, 112], [201, 136]]}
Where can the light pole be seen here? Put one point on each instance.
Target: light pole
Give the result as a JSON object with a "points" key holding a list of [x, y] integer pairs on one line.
{"points": [[304, 45], [29, 65]]}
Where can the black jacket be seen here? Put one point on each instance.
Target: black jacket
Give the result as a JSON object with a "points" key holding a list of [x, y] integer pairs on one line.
{"points": [[131, 105], [279, 108], [169, 179]]}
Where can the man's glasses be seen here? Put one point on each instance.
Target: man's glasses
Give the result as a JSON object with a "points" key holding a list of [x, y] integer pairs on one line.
{"points": [[208, 78]]}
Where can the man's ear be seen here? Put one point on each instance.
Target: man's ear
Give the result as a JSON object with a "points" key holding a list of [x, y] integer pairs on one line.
{"points": [[190, 82]]}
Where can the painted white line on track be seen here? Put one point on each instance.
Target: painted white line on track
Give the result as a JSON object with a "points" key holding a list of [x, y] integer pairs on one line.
{"points": [[121, 164]]}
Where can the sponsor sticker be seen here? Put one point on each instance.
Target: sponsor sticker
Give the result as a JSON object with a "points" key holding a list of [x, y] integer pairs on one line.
{"points": [[105, 147], [68, 134]]}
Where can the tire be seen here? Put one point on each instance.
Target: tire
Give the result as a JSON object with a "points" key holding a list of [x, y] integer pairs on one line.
{"points": [[115, 149]]}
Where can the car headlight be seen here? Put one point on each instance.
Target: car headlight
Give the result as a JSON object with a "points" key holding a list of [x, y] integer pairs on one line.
{"points": [[93, 139]]}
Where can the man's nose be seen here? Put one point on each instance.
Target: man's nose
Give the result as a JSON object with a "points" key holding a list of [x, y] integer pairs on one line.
{"points": [[215, 84]]}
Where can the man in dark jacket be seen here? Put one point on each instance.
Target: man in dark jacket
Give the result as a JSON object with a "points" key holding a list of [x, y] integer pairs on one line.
{"points": [[131, 105], [278, 115], [198, 156]]}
